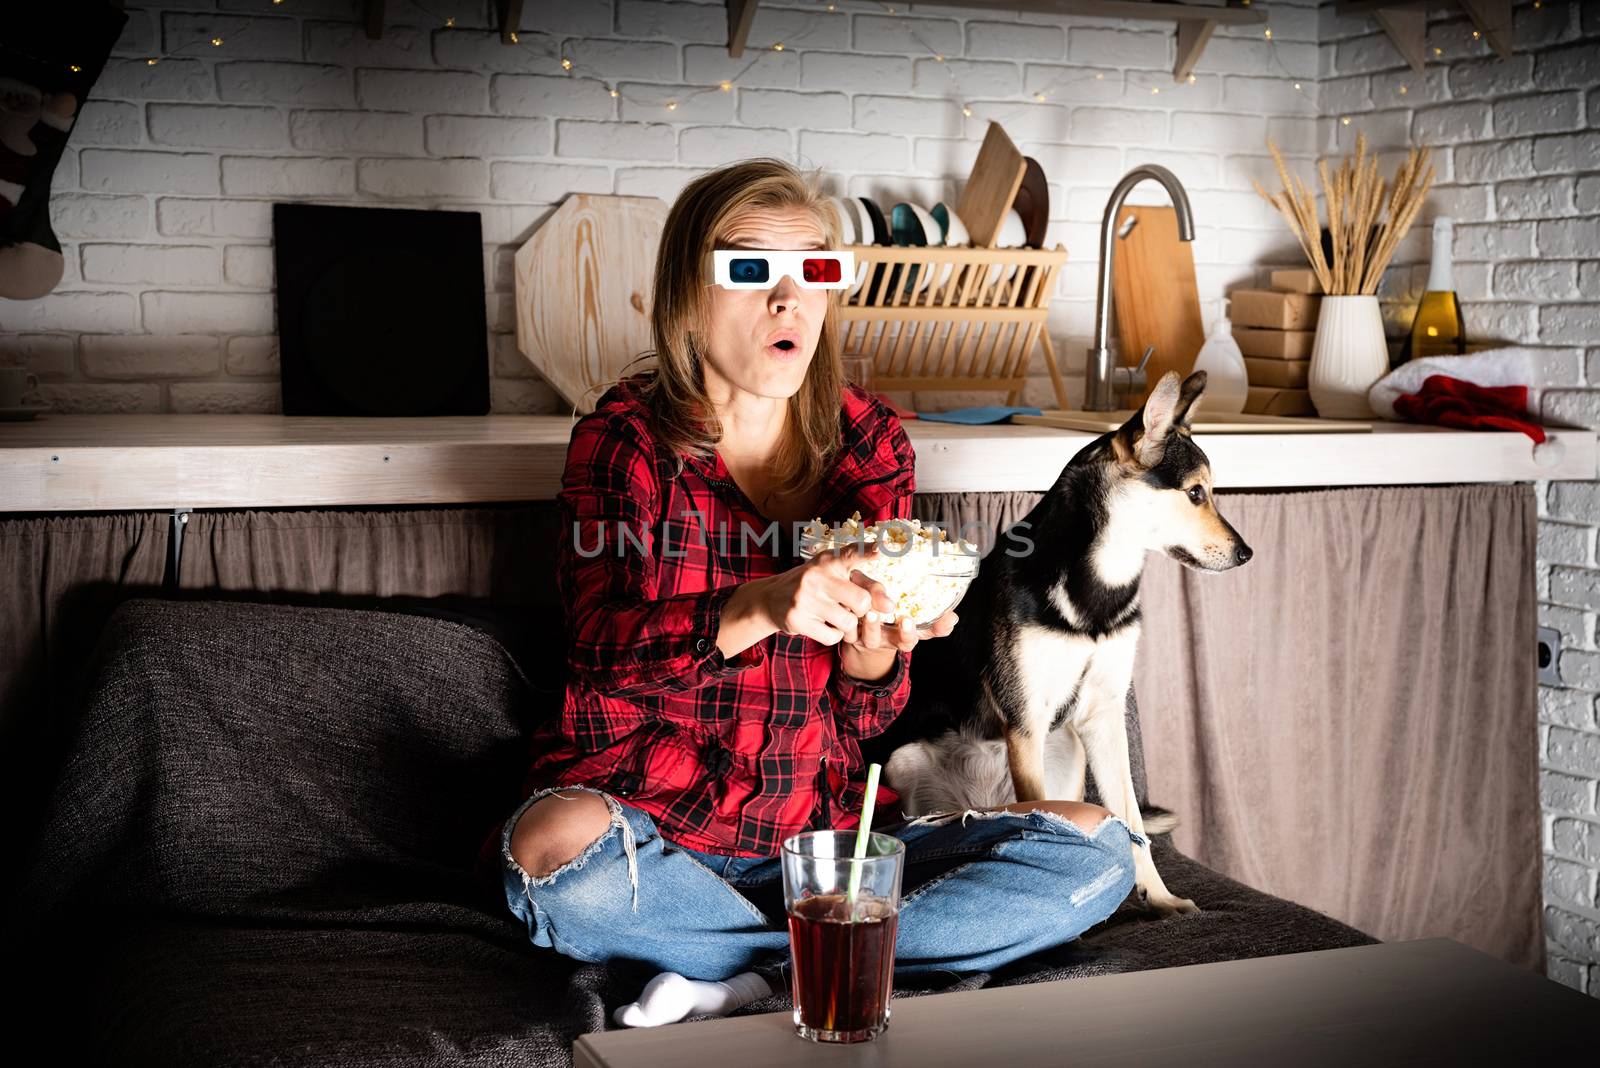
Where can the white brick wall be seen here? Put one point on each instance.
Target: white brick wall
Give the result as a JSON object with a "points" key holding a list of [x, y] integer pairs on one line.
{"points": [[1514, 139], [162, 201]]}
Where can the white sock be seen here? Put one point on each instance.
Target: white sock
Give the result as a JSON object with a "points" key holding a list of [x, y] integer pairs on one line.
{"points": [[669, 997]]}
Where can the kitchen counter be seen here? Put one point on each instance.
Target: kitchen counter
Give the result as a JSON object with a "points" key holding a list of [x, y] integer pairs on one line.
{"points": [[59, 462]]}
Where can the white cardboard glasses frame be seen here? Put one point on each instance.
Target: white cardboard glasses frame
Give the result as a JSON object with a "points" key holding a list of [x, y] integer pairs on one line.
{"points": [[742, 268]]}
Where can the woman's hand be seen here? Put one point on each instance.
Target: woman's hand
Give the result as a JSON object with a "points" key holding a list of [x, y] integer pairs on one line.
{"points": [[901, 635], [827, 601], [819, 598]]}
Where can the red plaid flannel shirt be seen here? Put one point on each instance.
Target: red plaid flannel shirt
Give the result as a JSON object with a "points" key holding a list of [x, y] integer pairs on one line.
{"points": [[727, 755]]}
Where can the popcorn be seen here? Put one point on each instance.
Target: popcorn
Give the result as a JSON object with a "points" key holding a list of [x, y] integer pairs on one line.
{"points": [[924, 571]]}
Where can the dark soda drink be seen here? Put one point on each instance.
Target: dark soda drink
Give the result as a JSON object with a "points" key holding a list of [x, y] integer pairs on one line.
{"points": [[843, 967]]}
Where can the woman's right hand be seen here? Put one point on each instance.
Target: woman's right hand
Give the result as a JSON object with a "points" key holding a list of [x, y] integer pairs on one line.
{"points": [[819, 599]]}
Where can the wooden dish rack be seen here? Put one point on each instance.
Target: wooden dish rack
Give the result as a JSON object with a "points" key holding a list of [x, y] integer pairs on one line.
{"points": [[972, 326]]}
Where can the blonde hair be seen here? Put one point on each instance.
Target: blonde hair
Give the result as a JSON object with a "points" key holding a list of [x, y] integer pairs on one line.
{"points": [[680, 410]]}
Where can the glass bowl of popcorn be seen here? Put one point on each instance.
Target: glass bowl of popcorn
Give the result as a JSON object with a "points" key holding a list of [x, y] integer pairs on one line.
{"points": [[924, 570]]}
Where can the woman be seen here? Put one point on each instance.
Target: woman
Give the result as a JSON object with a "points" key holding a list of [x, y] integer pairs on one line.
{"points": [[718, 688]]}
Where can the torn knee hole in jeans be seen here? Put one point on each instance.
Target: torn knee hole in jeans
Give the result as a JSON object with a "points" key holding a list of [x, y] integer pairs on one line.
{"points": [[618, 822]]}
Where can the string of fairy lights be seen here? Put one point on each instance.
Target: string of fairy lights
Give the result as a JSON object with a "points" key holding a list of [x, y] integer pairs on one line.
{"points": [[563, 56]]}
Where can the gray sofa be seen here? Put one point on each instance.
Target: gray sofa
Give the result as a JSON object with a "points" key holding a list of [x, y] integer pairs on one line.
{"points": [[262, 847]]}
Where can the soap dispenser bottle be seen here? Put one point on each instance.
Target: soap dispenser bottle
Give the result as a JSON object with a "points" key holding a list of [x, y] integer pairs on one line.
{"points": [[1227, 383]]}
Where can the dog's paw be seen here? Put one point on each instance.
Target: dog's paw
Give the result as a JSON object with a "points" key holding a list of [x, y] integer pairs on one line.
{"points": [[1181, 906], [1165, 904]]}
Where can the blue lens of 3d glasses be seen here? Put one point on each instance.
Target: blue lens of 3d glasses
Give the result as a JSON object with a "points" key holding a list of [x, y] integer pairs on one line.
{"points": [[752, 269]]}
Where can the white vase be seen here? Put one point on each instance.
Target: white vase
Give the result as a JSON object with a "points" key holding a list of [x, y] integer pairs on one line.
{"points": [[1348, 356]]}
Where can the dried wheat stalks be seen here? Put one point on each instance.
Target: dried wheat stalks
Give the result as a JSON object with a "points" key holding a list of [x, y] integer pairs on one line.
{"points": [[1355, 195], [1297, 204]]}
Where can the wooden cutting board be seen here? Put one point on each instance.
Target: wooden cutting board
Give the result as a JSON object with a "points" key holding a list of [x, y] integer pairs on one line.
{"points": [[991, 187], [583, 291], [1100, 422], [1154, 295]]}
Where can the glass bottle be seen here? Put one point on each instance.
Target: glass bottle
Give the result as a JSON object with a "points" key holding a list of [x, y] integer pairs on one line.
{"points": [[1437, 329]]}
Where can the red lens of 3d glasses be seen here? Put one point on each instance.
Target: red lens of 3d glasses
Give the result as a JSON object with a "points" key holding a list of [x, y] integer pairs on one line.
{"points": [[820, 270]]}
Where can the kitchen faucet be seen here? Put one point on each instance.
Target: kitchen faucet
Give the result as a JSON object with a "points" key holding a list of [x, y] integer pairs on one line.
{"points": [[1100, 378]]}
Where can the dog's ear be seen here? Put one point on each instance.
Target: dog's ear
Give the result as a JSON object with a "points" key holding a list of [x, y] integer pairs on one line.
{"points": [[1161, 407], [1141, 439], [1189, 397]]}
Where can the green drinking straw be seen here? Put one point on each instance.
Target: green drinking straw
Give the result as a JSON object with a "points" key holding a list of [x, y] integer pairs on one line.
{"points": [[863, 833]]}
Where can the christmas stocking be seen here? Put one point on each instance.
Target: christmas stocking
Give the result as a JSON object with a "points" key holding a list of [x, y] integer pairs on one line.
{"points": [[50, 56]]}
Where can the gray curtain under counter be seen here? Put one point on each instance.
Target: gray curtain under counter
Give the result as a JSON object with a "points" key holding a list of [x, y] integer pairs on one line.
{"points": [[1347, 722]]}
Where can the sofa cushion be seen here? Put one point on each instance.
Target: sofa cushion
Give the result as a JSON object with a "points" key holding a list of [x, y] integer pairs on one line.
{"points": [[243, 759]]}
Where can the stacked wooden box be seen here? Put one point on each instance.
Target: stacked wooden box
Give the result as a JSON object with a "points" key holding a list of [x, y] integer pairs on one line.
{"points": [[1274, 328]]}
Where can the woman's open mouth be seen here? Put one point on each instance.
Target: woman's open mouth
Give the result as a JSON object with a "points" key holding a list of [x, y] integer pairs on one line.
{"points": [[784, 346]]}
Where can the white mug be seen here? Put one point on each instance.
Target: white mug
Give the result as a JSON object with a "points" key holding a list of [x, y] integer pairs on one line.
{"points": [[14, 382]]}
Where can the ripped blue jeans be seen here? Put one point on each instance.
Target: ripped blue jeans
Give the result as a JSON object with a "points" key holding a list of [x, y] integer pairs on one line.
{"points": [[979, 889]]}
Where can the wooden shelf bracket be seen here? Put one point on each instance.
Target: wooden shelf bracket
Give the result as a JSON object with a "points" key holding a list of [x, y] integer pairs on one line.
{"points": [[1192, 38], [1406, 23], [1195, 21], [510, 12], [741, 13]]}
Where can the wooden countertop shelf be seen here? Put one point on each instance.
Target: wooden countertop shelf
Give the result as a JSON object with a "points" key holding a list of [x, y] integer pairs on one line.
{"points": [[69, 463]]}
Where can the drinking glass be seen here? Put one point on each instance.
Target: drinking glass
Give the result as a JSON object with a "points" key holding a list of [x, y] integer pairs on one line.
{"points": [[841, 944]]}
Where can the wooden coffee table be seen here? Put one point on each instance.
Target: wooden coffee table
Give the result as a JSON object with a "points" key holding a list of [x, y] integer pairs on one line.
{"points": [[1432, 1001]]}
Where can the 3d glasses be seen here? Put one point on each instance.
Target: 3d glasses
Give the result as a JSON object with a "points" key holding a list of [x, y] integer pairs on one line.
{"points": [[745, 268]]}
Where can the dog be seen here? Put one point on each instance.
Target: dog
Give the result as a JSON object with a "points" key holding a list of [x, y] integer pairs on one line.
{"points": [[1031, 688]]}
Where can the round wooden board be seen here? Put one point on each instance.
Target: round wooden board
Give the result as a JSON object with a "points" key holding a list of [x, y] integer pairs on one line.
{"points": [[583, 291]]}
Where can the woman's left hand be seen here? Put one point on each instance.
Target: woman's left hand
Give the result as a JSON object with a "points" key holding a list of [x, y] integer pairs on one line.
{"points": [[902, 635]]}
